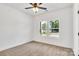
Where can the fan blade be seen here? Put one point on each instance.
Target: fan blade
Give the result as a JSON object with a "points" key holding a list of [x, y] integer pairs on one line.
{"points": [[31, 4], [42, 8], [40, 3], [28, 7]]}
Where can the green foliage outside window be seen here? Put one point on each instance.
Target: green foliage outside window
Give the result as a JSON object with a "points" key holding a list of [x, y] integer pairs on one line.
{"points": [[49, 27]]}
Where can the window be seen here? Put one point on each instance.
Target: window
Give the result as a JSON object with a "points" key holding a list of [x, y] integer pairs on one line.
{"points": [[49, 28], [43, 28]]}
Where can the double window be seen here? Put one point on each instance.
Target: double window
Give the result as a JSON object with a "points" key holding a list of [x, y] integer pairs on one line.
{"points": [[49, 28]]}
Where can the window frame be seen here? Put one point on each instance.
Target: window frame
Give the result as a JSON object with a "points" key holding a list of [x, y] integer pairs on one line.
{"points": [[48, 29]]}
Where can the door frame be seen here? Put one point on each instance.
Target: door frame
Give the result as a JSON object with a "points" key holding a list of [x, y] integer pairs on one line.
{"points": [[75, 28]]}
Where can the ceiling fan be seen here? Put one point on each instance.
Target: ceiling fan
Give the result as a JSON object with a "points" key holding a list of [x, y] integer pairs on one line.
{"points": [[36, 6]]}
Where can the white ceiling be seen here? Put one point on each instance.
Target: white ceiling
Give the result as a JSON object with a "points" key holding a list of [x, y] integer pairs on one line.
{"points": [[49, 6]]}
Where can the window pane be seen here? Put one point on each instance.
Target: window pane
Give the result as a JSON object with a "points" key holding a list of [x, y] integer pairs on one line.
{"points": [[53, 26], [56, 23], [53, 30], [43, 27]]}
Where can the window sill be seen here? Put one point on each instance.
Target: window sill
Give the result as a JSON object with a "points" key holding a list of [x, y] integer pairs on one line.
{"points": [[51, 35]]}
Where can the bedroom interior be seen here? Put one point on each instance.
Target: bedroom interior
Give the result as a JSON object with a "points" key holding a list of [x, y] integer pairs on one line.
{"points": [[39, 29]]}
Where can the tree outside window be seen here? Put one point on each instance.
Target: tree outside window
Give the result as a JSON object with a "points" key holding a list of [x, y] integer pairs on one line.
{"points": [[49, 27]]}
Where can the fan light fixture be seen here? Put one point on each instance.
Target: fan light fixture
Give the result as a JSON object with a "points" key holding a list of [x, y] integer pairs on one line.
{"points": [[35, 7]]}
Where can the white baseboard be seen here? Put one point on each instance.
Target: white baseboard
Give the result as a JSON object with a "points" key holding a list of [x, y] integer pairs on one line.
{"points": [[11, 46], [52, 44]]}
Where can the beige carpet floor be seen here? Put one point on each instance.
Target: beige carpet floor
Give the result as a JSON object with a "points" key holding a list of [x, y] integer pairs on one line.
{"points": [[37, 49]]}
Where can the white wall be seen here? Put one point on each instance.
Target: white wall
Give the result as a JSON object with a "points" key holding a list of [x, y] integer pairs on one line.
{"points": [[65, 17], [15, 27]]}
